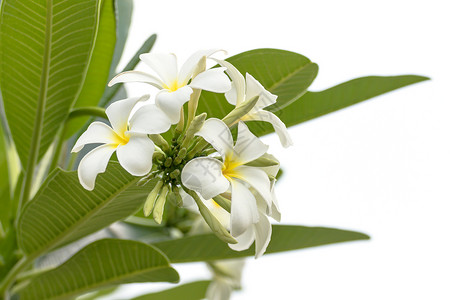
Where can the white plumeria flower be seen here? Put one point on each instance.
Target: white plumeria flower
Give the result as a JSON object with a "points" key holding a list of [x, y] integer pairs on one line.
{"points": [[245, 89], [210, 177], [128, 137], [176, 85]]}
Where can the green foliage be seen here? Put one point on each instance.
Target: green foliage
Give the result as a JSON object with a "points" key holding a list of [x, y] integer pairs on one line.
{"points": [[45, 50], [190, 291], [315, 104], [103, 263], [63, 211], [283, 73], [208, 247], [99, 66]]}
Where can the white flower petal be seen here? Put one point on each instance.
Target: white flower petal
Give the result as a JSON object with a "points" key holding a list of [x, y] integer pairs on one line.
{"points": [[119, 112], [188, 68], [164, 64], [204, 175], [278, 125], [254, 88], [217, 133], [248, 147], [213, 80], [276, 214], [219, 290], [136, 76], [171, 102], [149, 119], [258, 179], [94, 163], [136, 156], [97, 132], [245, 240], [238, 82], [244, 211], [231, 95], [263, 232]]}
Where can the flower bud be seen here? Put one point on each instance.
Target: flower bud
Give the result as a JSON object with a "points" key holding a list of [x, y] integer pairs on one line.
{"points": [[236, 114], [195, 126], [151, 198], [180, 156], [158, 211]]}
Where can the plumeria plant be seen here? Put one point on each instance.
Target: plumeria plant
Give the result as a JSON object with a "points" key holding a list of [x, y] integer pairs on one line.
{"points": [[100, 189]]}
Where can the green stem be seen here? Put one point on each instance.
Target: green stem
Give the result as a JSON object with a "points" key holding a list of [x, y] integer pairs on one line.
{"points": [[87, 111], [12, 274], [57, 153]]}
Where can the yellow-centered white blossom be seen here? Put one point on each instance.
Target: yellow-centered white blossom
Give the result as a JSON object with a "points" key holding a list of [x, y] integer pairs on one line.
{"points": [[176, 86]]}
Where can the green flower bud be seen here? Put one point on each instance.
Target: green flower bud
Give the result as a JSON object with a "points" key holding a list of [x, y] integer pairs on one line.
{"points": [[168, 162], [180, 156], [174, 197], [158, 211], [195, 126], [159, 141], [239, 111], [175, 174], [151, 198]]}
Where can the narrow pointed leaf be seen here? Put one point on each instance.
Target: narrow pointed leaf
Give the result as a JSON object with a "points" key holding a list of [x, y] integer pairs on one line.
{"points": [[284, 238], [101, 264], [315, 104], [63, 211], [45, 47], [283, 73], [190, 291]]}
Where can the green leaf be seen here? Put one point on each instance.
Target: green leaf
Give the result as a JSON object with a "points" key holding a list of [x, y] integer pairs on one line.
{"points": [[98, 72], [284, 238], [190, 291], [103, 263], [111, 92], [316, 104], [45, 47], [63, 211], [283, 73], [123, 10]]}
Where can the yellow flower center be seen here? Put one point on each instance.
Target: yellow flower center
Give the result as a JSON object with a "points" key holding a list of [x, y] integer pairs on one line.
{"points": [[121, 138], [175, 85], [229, 166]]}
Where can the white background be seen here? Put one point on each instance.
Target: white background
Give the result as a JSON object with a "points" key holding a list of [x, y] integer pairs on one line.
{"points": [[381, 167]]}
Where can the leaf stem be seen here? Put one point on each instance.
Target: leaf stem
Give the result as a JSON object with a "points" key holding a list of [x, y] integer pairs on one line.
{"points": [[11, 276]]}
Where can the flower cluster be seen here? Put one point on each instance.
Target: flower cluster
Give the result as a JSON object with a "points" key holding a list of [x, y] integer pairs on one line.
{"points": [[200, 162]]}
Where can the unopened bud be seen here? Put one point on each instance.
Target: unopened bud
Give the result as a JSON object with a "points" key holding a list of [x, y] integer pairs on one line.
{"points": [[160, 141], [175, 197], [151, 198], [168, 162], [240, 111], [174, 174], [158, 156], [196, 125], [158, 211], [180, 156]]}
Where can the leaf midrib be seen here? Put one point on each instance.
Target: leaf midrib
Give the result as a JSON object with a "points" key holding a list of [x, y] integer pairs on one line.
{"points": [[39, 120], [70, 230], [99, 284]]}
